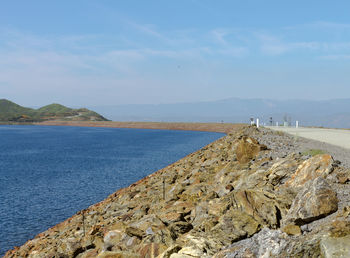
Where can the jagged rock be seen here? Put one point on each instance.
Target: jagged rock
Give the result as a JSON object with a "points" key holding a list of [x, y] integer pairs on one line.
{"points": [[267, 243], [319, 165], [217, 201], [132, 231], [335, 247], [259, 205], [197, 245], [151, 250], [234, 225], [343, 177], [113, 238], [247, 149], [281, 171], [171, 250], [339, 228], [179, 228], [117, 255], [314, 201], [88, 254]]}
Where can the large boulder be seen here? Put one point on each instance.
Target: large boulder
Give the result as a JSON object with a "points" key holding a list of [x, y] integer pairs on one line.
{"points": [[335, 246], [267, 243], [281, 170], [247, 149], [337, 242], [259, 205], [314, 201], [317, 166]]}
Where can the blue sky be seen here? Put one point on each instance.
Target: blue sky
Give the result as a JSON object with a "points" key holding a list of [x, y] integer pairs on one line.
{"points": [[120, 52]]}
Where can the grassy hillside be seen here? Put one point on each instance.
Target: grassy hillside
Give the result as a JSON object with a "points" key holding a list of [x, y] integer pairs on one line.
{"points": [[54, 108], [7, 106], [12, 112]]}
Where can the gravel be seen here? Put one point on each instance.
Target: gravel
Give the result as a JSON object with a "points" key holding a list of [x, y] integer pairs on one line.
{"points": [[283, 144]]}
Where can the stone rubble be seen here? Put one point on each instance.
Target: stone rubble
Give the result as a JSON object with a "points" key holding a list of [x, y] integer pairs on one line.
{"points": [[248, 194]]}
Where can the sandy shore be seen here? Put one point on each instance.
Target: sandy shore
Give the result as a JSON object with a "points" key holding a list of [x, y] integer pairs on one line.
{"points": [[206, 127]]}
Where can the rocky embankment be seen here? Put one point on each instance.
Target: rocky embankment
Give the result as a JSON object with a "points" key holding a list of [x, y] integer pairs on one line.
{"points": [[249, 194]]}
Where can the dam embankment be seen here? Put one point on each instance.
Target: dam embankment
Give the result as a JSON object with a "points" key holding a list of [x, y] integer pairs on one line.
{"points": [[252, 193], [205, 127]]}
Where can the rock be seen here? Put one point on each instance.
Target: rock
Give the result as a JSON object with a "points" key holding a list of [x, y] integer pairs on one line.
{"points": [[117, 255], [339, 228], [197, 246], [247, 149], [267, 243], [132, 231], [171, 250], [191, 252], [230, 199], [345, 212], [151, 250], [112, 238], [71, 247], [176, 255], [229, 188], [179, 228], [292, 230], [335, 246], [234, 225], [314, 201], [281, 170], [319, 165], [88, 254], [259, 205], [343, 177]]}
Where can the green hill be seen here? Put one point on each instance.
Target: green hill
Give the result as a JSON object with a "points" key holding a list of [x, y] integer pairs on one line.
{"points": [[7, 106], [54, 108], [12, 112]]}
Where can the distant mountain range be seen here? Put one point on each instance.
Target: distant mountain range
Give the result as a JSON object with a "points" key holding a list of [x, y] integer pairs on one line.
{"points": [[327, 113], [12, 112]]}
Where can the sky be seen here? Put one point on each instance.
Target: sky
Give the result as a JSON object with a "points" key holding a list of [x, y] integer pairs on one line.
{"points": [[93, 53]]}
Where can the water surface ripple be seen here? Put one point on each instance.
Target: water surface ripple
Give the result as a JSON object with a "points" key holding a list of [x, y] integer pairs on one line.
{"points": [[48, 173]]}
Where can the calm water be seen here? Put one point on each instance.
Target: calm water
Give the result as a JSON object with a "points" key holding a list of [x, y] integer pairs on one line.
{"points": [[47, 174]]}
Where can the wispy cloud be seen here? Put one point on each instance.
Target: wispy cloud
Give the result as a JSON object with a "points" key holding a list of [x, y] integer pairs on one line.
{"points": [[219, 36], [117, 61], [274, 45], [336, 57]]}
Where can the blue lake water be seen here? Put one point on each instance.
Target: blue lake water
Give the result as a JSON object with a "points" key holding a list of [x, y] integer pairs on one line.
{"points": [[48, 173]]}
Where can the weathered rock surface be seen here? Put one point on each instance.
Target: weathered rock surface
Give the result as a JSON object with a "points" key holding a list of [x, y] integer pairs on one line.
{"points": [[314, 201], [245, 195], [335, 246], [317, 166]]}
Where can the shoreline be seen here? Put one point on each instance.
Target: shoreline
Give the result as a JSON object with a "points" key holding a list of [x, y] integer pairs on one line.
{"points": [[232, 197], [204, 127]]}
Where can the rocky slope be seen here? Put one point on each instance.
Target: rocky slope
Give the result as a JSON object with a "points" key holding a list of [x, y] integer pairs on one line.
{"points": [[249, 194]]}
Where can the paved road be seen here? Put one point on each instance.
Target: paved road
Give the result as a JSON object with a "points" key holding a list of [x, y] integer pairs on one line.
{"points": [[336, 137]]}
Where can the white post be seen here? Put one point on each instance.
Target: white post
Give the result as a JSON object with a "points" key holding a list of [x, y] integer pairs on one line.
{"points": [[296, 124], [257, 122], [277, 124]]}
